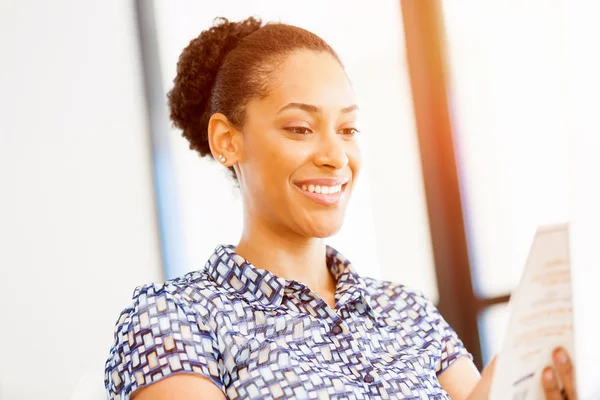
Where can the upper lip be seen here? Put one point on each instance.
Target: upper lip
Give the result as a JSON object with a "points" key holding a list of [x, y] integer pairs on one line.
{"points": [[322, 181]]}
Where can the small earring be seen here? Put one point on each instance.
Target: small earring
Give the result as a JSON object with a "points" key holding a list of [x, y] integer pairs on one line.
{"points": [[222, 158]]}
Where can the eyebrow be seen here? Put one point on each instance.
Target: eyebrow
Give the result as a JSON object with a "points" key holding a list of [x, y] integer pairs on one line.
{"points": [[315, 109]]}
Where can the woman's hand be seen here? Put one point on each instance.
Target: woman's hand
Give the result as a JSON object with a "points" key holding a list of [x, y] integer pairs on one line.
{"points": [[564, 367]]}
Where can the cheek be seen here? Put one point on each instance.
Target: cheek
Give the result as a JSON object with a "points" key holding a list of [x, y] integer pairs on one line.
{"points": [[354, 158], [272, 160]]}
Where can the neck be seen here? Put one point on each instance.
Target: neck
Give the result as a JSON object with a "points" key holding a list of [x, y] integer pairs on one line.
{"points": [[298, 258]]}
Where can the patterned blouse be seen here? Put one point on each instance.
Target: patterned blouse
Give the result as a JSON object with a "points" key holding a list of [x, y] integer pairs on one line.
{"points": [[259, 336]]}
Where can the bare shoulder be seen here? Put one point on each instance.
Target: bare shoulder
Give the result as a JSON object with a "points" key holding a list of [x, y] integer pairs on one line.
{"points": [[182, 387]]}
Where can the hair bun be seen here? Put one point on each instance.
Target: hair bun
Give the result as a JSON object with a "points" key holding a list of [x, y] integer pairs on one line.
{"points": [[196, 73]]}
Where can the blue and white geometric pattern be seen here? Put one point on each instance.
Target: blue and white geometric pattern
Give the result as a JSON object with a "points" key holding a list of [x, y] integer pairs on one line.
{"points": [[258, 336]]}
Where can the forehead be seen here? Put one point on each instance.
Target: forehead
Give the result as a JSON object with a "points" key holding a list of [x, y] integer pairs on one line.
{"points": [[312, 78]]}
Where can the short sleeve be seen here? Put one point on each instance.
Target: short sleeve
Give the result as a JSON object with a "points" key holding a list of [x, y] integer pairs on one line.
{"points": [[452, 348], [158, 336]]}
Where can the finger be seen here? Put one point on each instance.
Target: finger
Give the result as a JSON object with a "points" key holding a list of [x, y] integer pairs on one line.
{"points": [[550, 385], [564, 366]]}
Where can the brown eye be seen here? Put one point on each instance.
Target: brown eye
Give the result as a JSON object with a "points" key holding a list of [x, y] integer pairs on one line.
{"points": [[349, 131], [300, 130]]}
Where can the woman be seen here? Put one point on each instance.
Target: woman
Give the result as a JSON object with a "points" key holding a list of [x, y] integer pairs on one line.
{"points": [[281, 315]]}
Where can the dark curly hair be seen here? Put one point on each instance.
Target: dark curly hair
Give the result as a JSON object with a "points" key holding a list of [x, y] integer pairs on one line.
{"points": [[227, 65]]}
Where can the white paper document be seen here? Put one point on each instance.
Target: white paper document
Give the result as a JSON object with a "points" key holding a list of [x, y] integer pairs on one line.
{"points": [[541, 318]]}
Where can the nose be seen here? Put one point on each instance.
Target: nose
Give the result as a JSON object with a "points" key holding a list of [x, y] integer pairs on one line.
{"points": [[331, 151]]}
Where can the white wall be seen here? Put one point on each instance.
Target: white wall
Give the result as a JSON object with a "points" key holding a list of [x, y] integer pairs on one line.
{"points": [[77, 219]]}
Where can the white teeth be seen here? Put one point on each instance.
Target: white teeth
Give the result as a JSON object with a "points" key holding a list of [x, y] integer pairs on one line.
{"points": [[322, 189]]}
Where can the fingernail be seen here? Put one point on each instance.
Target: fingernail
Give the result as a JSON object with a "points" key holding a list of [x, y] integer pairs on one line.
{"points": [[562, 356], [549, 375]]}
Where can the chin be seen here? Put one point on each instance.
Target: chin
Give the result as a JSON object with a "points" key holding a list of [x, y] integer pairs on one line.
{"points": [[324, 230]]}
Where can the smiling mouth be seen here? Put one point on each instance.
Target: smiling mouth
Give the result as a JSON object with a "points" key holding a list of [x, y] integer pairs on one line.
{"points": [[323, 194], [322, 189]]}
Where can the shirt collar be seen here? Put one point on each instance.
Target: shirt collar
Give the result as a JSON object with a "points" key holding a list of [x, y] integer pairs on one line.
{"points": [[265, 290]]}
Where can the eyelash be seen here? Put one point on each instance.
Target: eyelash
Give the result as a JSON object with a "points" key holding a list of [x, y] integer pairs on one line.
{"points": [[295, 129], [306, 131]]}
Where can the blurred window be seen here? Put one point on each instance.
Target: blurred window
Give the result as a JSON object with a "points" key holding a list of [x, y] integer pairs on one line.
{"points": [[507, 102]]}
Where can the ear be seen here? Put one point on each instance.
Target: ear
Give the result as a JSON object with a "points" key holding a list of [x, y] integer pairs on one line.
{"points": [[224, 140]]}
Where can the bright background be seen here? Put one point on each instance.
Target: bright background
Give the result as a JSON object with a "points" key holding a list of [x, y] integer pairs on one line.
{"points": [[508, 96], [78, 206]]}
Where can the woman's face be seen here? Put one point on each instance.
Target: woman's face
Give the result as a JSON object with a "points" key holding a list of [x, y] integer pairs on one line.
{"points": [[300, 156]]}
